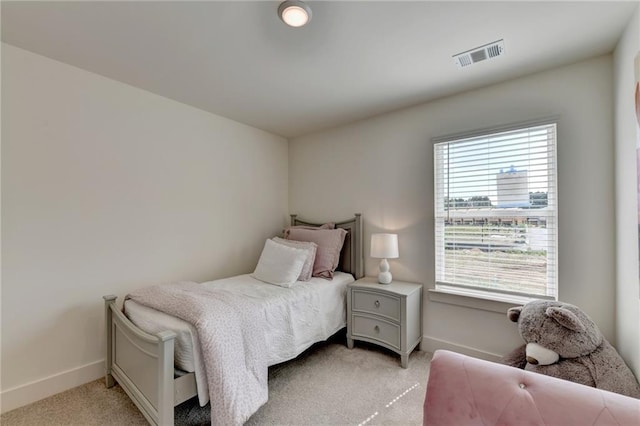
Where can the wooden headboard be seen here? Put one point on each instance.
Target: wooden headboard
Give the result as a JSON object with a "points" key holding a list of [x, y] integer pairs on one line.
{"points": [[352, 254]]}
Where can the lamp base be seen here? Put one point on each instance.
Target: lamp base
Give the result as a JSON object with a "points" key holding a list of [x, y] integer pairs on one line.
{"points": [[384, 277]]}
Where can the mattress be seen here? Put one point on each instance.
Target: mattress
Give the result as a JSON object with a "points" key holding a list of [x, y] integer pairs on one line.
{"points": [[294, 319]]}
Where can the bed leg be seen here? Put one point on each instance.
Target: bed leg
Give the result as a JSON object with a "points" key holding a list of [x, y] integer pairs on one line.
{"points": [[166, 395], [108, 301], [109, 380]]}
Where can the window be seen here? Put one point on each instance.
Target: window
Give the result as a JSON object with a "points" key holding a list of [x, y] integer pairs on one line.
{"points": [[496, 213]]}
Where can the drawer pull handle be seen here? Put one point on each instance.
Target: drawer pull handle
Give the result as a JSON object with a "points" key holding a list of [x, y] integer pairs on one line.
{"points": [[376, 329], [377, 303]]}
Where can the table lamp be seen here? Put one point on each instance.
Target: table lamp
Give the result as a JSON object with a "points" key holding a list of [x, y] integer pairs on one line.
{"points": [[384, 246]]}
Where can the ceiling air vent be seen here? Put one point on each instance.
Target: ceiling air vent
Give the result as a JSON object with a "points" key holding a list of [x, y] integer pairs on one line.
{"points": [[488, 51]]}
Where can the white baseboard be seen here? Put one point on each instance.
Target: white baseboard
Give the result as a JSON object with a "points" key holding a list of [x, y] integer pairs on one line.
{"points": [[39, 389], [34, 391], [431, 344]]}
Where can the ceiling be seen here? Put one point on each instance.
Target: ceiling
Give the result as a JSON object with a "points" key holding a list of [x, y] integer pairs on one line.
{"points": [[354, 60]]}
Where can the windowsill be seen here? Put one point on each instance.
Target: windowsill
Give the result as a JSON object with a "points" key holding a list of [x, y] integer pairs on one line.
{"points": [[479, 300]]}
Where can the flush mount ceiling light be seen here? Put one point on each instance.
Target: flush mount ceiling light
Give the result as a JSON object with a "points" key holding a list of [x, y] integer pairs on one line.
{"points": [[294, 13]]}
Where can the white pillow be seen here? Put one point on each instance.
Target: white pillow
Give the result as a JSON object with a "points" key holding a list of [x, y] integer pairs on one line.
{"points": [[310, 248], [279, 264]]}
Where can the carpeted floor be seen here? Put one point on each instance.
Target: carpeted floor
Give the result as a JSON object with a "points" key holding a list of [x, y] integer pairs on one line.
{"points": [[327, 385]]}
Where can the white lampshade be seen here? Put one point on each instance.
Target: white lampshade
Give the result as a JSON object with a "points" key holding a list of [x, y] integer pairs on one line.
{"points": [[294, 13], [384, 246]]}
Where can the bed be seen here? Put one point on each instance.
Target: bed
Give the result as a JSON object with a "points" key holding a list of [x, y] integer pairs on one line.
{"points": [[157, 361]]}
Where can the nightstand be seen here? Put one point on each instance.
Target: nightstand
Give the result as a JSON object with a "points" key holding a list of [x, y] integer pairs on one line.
{"points": [[389, 315]]}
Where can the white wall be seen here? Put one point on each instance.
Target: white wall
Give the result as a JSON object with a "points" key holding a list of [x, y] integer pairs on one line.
{"points": [[106, 188], [383, 167], [628, 281]]}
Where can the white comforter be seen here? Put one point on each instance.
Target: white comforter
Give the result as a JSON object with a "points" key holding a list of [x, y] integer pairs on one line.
{"points": [[294, 318]]}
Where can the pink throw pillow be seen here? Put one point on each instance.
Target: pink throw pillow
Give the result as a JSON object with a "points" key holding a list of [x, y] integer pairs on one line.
{"points": [[285, 231], [329, 243]]}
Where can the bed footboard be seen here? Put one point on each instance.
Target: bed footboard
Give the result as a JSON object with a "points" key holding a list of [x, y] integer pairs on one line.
{"points": [[141, 363]]}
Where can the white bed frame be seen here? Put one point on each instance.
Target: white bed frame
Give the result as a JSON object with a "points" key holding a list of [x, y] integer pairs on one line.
{"points": [[143, 363]]}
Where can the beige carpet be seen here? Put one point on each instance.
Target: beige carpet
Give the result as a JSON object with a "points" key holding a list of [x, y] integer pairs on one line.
{"points": [[327, 385]]}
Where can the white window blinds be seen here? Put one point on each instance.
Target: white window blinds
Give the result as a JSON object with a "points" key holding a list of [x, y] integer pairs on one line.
{"points": [[496, 212]]}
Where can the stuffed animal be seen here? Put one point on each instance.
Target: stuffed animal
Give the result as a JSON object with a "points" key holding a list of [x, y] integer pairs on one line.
{"points": [[562, 341]]}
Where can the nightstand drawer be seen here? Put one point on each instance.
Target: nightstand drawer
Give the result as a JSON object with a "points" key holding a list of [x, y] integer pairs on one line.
{"points": [[377, 329], [376, 303]]}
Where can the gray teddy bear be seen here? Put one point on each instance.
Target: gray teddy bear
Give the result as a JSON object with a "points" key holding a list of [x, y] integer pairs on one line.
{"points": [[563, 342]]}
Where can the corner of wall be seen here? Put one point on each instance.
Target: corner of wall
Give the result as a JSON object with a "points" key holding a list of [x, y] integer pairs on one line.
{"points": [[626, 144]]}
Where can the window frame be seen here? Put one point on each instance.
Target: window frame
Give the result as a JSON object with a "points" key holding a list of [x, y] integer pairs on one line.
{"points": [[478, 292]]}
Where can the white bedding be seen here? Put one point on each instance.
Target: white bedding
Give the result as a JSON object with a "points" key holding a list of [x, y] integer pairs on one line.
{"points": [[295, 318]]}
